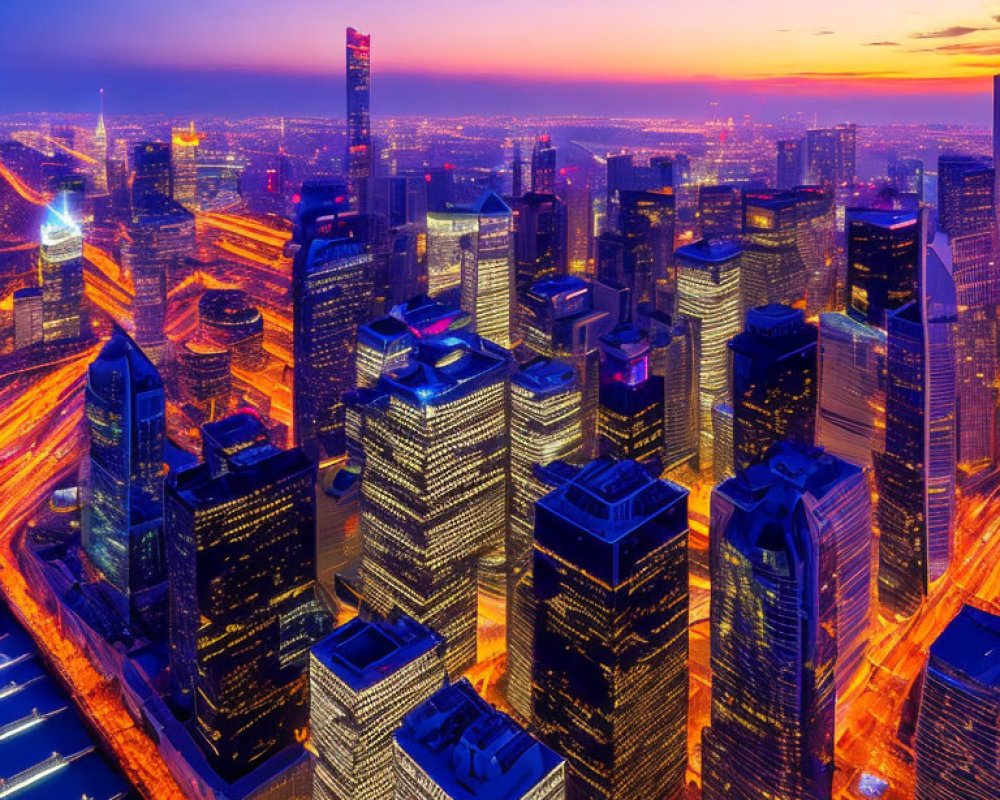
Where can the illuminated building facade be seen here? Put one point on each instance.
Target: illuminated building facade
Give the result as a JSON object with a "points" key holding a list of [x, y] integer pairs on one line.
{"points": [[151, 172], [831, 155], [576, 190], [241, 550], [227, 318], [672, 358], [790, 561], [773, 382], [915, 475], [883, 252], [434, 486], [543, 166], [204, 375], [331, 289], [630, 418], [28, 317], [965, 195], [184, 165], [816, 240], [60, 272], [647, 226], [456, 746], [708, 294], [791, 163], [160, 234], [487, 275], [123, 516], [363, 679], [449, 233], [958, 727], [850, 418], [610, 679], [359, 130], [545, 403], [720, 212], [384, 345], [773, 270], [723, 466], [539, 227], [100, 145]]}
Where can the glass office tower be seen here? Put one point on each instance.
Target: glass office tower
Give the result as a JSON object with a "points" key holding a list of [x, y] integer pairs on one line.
{"points": [[359, 132], [60, 273]]}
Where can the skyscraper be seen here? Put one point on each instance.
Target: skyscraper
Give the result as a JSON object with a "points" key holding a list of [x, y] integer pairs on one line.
{"points": [[60, 272], [330, 291], [915, 475], [241, 550], [434, 486], [630, 418], [184, 144], [965, 195], [831, 155], [647, 226], [123, 516], [539, 228], [545, 426], [708, 294], [101, 151], [958, 727], [456, 746], [27, 317], [790, 561], [363, 679], [359, 132], [610, 682], [883, 251], [906, 176], [790, 163], [773, 383], [720, 213], [672, 357], [487, 274], [151, 172], [773, 268], [449, 233], [543, 166]]}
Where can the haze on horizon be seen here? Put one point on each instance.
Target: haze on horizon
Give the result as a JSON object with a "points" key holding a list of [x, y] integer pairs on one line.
{"points": [[902, 60]]}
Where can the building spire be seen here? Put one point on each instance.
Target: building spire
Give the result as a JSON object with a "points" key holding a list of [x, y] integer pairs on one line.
{"points": [[101, 131]]}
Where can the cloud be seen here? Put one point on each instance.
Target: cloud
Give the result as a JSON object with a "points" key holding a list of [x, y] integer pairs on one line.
{"points": [[881, 44], [951, 33], [823, 32], [964, 49]]}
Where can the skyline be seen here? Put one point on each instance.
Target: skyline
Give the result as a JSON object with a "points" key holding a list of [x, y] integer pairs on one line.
{"points": [[897, 60]]}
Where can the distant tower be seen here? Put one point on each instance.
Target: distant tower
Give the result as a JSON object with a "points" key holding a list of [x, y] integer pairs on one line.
{"points": [[517, 181], [183, 159], [101, 151], [363, 679], [60, 268], [790, 551], [543, 166], [646, 218], [610, 678], [487, 272], [958, 728], [539, 227], [790, 163], [123, 519], [359, 132], [27, 317]]}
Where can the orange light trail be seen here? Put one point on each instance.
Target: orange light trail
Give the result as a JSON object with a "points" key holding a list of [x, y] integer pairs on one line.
{"points": [[69, 150], [19, 186], [246, 227]]}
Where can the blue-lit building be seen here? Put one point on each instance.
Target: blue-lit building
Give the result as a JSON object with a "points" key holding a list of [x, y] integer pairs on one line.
{"points": [[915, 474], [331, 291], [241, 549], [123, 513], [610, 677], [791, 163], [456, 746], [434, 487], [773, 382], [363, 679], [630, 417], [958, 727], [965, 195], [790, 559], [883, 255], [151, 172]]}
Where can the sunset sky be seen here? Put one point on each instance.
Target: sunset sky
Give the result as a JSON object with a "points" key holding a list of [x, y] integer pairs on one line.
{"points": [[771, 49]]}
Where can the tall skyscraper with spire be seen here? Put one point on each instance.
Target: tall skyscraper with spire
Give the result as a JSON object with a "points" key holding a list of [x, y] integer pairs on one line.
{"points": [[101, 151], [359, 131]]}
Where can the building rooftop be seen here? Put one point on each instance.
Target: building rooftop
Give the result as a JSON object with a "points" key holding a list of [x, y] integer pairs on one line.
{"points": [[546, 376], [709, 252], [224, 307], [426, 316], [235, 432], [363, 652], [891, 219], [970, 645], [119, 351], [471, 750], [384, 329]]}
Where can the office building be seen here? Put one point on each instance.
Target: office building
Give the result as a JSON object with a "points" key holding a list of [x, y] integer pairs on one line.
{"points": [[647, 227], [630, 417], [720, 211], [958, 727], [816, 240], [455, 746], [363, 679], [449, 234], [708, 295], [28, 315], [545, 426], [773, 268], [384, 345], [151, 172], [434, 486], [100, 149], [791, 163], [790, 562], [241, 550], [359, 132], [227, 318], [543, 166], [539, 229], [906, 176], [773, 382], [965, 195], [122, 530], [915, 475], [723, 450], [184, 144], [60, 272], [204, 376], [831, 155], [883, 251], [610, 681], [672, 358], [487, 275], [331, 287]]}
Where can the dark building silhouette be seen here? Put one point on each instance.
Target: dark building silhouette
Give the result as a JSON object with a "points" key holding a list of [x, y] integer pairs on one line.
{"points": [[539, 228], [543, 166], [883, 252], [720, 212], [791, 163], [965, 195]]}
